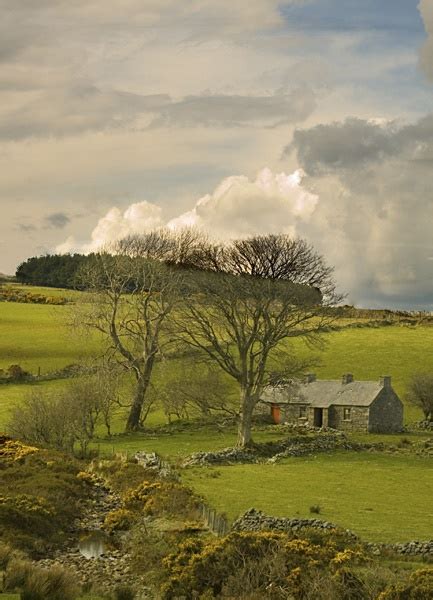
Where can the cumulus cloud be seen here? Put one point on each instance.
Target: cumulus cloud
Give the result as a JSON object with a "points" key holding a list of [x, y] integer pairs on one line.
{"points": [[115, 225], [374, 217], [238, 207], [273, 203]]}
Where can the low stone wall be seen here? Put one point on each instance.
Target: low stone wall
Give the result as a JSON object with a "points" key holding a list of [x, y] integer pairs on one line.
{"points": [[415, 548], [274, 451], [152, 461], [255, 520]]}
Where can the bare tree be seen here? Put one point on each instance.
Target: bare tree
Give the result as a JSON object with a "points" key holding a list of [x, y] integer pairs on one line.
{"points": [[279, 257], [240, 320], [129, 303], [154, 245], [63, 419], [420, 393], [187, 248], [44, 419], [196, 391]]}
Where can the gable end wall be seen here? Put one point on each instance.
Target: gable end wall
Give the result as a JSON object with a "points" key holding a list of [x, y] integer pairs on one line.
{"points": [[386, 413]]}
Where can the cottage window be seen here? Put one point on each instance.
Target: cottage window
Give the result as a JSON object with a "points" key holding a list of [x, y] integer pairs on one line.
{"points": [[347, 414], [302, 412]]}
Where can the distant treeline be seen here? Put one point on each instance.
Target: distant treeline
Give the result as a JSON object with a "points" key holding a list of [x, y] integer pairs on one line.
{"points": [[51, 270]]}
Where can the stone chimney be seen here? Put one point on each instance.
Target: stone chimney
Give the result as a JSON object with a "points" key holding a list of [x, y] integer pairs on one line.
{"points": [[385, 381], [310, 377], [347, 378]]}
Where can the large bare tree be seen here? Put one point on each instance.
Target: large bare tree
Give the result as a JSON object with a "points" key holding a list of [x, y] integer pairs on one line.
{"points": [[279, 256], [239, 321], [129, 301]]}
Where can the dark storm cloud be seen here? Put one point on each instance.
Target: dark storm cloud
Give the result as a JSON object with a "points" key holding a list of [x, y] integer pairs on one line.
{"points": [[357, 143]]}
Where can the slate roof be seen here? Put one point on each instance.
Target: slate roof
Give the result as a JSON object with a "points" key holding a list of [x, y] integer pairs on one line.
{"points": [[322, 393]]}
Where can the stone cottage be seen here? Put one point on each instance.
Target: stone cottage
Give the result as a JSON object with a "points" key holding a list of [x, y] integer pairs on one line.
{"points": [[346, 404]]}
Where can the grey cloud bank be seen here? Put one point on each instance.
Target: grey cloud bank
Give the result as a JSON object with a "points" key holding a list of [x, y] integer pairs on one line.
{"points": [[374, 181]]}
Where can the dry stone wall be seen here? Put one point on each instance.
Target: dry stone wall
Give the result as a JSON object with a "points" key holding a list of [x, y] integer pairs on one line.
{"points": [[294, 446], [255, 520]]}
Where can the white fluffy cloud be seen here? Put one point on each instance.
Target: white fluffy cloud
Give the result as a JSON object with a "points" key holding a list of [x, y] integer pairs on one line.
{"points": [[273, 203], [238, 207], [115, 225]]}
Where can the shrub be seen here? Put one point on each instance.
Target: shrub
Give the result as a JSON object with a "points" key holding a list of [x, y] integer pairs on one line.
{"points": [[16, 574], [36, 583], [419, 587], [351, 585], [124, 592], [17, 373], [40, 496], [119, 520], [86, 477], [162, 498], [61, 420], [262, 565], [121, 474], [13, 450], [8, 553], [240, 563]]}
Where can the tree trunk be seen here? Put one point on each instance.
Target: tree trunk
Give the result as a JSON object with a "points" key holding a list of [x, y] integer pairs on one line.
{"points": [[134, 417], [245, 418]]}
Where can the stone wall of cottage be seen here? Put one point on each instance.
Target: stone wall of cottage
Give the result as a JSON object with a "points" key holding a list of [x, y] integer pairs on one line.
{"points": [[291, 413], [386, 413], [331, 417], [357, 421]]}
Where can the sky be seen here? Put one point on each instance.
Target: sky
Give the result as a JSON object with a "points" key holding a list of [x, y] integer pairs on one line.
{"points": [[307, 117]]}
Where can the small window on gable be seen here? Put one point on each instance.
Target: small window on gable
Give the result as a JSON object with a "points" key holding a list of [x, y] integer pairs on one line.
{"points": [[302, 412], [347, 414]]}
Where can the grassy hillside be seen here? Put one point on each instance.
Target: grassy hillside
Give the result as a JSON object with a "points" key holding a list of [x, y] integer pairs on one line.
{"points": [[381, 497], [398, 351], [37, 336]]}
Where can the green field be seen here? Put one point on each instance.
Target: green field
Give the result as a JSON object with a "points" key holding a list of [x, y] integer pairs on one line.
{"points": [[38, 337], [378, 496]]}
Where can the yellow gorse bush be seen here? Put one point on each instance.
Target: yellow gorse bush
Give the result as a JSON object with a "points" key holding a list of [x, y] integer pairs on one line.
{"points": [[265, 560], [13, 450], [119, 520]]}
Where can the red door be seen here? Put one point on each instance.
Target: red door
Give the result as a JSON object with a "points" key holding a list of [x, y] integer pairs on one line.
{"points": [[276, 413]]}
